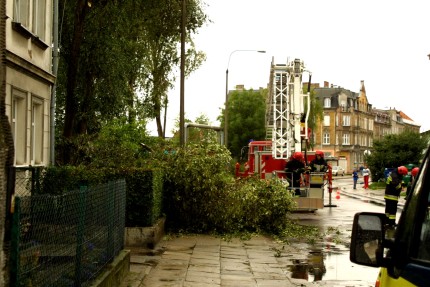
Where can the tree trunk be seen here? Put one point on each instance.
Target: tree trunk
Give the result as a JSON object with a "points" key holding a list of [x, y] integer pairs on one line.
{"points": [[71, 107]]}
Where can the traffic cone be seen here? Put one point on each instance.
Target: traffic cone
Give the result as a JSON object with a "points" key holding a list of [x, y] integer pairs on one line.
{"points": [[337, 194]]}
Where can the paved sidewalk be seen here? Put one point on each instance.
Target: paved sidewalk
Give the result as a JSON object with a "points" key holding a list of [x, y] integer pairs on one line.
{"points": [[203, 260]]}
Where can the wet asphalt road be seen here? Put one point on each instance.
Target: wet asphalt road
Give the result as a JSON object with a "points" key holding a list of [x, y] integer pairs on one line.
{"points": [[335, 220]]}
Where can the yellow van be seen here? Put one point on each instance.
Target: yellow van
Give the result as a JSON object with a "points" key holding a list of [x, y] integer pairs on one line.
{"points": [[404, 256]]}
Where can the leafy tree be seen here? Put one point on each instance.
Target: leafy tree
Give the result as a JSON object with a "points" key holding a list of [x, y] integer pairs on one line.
{"points": [[395, 150], [118, 144], [117, 61], [196, 135], [246, 120], [315, 115]]}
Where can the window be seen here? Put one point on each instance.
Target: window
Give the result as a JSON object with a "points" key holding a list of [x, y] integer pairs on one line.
{"points": [[326, 138], [326, 120], [21, 12], [370, 125], [19, 125], [346, 120], [35, 10], [39, 18], [327, 102], [37, 132], [345, 139], [424, 239], [343, 106]]}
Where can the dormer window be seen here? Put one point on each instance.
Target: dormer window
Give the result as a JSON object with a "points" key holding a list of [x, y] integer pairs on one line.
{"points": [[327, 103]]}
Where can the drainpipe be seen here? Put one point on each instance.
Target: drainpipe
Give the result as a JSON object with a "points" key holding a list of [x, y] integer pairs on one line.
{"points": [[54, 87]]}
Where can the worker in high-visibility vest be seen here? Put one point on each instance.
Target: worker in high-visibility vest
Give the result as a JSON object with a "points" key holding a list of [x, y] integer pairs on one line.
{"points": [[392, 192]]}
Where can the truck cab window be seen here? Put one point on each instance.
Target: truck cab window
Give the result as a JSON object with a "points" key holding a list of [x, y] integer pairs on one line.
{"points": [[424, 243]]}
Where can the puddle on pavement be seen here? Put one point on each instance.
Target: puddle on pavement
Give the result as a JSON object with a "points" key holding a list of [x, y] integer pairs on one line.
{"points": [[328, 262]]}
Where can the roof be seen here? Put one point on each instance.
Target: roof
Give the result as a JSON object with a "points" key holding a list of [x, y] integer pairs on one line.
{"points": [[327, 92], [404, 116]]}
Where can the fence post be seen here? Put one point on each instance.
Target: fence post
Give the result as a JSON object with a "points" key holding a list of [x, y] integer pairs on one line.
{"points": [[121, 196], [80, 234], [111, 219], [14, 245], [10, 191]]}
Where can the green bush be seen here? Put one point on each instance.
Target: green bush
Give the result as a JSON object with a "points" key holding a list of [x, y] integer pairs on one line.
{"points": [[201, 195], [257, 205], [144, 188], [144, 196]]}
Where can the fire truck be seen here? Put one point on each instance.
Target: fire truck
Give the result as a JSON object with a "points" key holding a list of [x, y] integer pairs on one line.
{"points": [[287, 131]]}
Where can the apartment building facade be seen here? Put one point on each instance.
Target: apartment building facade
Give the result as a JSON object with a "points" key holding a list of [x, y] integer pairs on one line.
{"points": [[29, 78], [350, 124]]}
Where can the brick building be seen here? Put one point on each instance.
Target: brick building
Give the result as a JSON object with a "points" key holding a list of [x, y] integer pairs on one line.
{"points": [[350, 124]]}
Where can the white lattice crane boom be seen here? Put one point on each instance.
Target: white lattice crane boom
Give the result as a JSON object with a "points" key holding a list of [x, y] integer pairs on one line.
{"points": [[287, 109]]}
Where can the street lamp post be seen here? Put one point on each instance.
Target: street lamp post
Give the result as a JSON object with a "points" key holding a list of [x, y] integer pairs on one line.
{"points": [[226, 92]]}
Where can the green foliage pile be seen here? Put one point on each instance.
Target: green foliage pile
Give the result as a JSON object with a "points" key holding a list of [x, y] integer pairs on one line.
{"points": [[202, 196], [395, 150], [257, 205]]}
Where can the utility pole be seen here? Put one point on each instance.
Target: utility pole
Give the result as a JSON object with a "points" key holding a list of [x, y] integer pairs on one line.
{"points": [[181, 109], [54, 86]]}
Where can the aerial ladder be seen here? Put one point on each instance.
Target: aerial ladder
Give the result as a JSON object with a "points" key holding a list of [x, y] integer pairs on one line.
{"points": [[287, 118], [287, 114]]}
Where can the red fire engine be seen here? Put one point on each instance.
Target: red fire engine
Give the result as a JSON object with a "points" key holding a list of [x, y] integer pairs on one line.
{"points": [[286, 125]]}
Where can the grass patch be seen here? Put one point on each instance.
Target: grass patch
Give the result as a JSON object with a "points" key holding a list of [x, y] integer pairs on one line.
{"points": [[377, 185]]}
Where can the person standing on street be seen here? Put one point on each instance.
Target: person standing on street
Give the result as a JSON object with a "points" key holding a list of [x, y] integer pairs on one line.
{"points": [[366, 173], [392, 192], [355, 178]]}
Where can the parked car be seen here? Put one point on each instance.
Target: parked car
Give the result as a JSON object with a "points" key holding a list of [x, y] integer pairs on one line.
{"points": [[337, 170]]}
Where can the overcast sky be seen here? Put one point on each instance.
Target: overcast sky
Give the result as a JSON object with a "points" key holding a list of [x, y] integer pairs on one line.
{"points": [[385, 43]]}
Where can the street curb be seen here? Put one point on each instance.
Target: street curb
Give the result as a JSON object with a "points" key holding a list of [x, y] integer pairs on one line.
{"points": [[379, 199]]}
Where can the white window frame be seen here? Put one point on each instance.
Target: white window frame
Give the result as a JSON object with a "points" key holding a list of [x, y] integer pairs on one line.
{"points": [[327, 103], [36, 156], [19, 125], [346, 120], [345, 139], [326, 138]]}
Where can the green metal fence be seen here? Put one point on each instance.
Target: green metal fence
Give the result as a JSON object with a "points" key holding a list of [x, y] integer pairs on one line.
{"points": [[66, 240]]}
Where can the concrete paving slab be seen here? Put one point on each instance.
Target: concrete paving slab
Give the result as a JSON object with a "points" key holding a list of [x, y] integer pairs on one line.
{"points": [[204, 260]]}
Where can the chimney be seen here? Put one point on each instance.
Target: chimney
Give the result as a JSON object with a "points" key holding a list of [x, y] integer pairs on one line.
{"points": [[362, 88], [326, 84]]}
